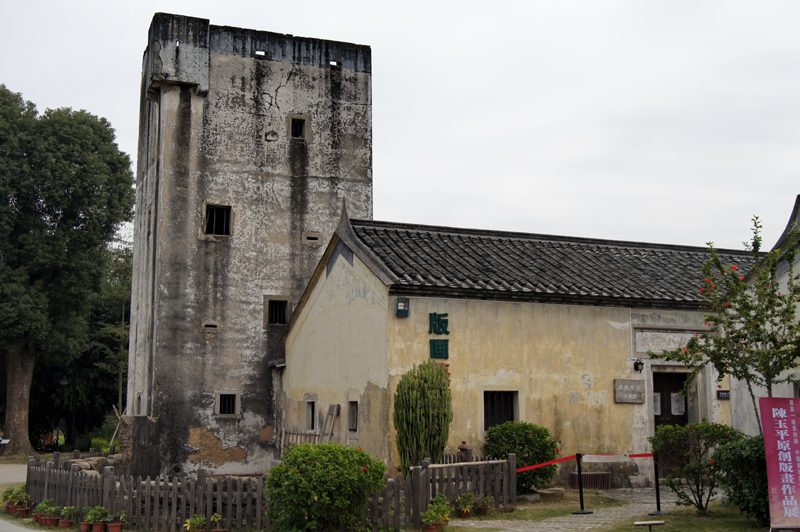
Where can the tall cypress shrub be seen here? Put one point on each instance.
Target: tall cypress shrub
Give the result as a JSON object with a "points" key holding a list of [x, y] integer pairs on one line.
{"points": [[423, 411]]}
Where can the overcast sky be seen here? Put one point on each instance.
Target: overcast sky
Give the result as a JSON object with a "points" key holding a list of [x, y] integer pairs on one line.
{"points": [[669, 122]]}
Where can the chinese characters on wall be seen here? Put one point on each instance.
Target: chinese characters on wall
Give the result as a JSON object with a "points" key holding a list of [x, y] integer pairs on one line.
{"points": [[628, 391], [438, 325]]}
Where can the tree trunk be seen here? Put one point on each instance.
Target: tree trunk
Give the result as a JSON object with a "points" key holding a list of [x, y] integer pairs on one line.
{"points": [[19, 376]]}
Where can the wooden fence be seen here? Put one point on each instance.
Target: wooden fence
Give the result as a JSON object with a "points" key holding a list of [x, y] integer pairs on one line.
{"points": [[163, 504]]}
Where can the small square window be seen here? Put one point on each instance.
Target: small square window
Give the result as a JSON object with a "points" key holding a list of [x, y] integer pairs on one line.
{"points": [[352, 416], [276, 313], [311, 415], [298, 128], [227, 403], [498, 407], [218, 220]]}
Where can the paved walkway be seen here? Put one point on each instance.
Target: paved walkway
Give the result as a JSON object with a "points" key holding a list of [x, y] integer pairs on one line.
{"points": [[642, 501], [12, 473]]}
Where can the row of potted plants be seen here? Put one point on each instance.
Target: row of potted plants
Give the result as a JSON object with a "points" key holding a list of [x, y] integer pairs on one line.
{"points": [[466, 501], [438, 512], [16, 501], [198, 523]]}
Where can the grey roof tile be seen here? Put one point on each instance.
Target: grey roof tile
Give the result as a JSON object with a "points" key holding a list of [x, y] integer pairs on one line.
{"points": [[539, 265]]}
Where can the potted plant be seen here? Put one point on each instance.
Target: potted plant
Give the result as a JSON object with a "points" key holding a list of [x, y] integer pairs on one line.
{"points": [[67, 515], [97, 515], [7, 498], [196, 523], [484, 504], [86, 525], [22, 504], [441, 507], [428, 518], [216, 518], [40, 510], [16, 495], [465, 502], [117, 522], [53, 516]]}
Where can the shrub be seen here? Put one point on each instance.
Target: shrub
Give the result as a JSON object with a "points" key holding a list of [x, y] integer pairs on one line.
{"points": [[696, 474], [422, 414], [745, 480], [441, 507], [531, 443], [319, 487]]}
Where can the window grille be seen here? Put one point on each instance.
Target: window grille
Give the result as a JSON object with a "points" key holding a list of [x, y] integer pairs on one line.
{"points": [[498, 407], [218, 220]]}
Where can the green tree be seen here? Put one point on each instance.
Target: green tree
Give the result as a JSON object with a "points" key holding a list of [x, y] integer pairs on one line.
{"points": [[423, 411], [64, 189], [754, 331]]}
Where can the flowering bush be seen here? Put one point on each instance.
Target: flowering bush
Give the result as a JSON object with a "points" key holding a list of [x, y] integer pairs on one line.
{"points": [[695, 475], [319, 487], [745, 480], [531, 443]]}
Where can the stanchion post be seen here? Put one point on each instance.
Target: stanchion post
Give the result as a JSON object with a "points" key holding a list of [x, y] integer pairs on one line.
{"points": [[580, 486], [658, 491]]}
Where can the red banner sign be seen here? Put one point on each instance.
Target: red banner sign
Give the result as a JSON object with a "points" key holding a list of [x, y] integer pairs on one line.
{"points": [[779, 418]]}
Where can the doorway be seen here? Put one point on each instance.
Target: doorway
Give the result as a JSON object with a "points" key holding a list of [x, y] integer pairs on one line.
{"points": [[669, 408]]}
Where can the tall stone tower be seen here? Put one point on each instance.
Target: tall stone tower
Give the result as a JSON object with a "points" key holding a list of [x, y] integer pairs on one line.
{"points": [[249, 144]]}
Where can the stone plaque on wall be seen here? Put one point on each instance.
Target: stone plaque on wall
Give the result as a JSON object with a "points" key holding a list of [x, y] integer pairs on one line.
{"points": [[660, 341], [628, 391]]}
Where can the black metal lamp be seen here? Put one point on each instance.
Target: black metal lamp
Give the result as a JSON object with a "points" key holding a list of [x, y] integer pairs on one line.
{"points": [[638, 365], [401, 311]]}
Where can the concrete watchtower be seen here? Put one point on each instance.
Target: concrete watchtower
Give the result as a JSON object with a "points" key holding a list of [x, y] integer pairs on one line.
{"points": [[249, 142]]}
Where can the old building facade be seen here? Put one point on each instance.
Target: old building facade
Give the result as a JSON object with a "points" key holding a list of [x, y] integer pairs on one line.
{"points": [[539, 328], [249, 144]]}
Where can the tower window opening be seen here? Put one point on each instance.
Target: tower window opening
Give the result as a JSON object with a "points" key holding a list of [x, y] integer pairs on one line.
{"points": [[218, 220], [298, 128]]}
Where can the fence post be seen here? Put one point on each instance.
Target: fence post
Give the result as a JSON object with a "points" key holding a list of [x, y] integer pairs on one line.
{"points": [[426, 484], [57, 460], [416, 482], [109, 483], [512, 478], [76, 454], [31, 464], [73, 473], [47, 475]]}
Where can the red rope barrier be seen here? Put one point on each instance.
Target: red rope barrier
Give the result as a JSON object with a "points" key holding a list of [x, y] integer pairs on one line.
{"points": [[526, 468]]}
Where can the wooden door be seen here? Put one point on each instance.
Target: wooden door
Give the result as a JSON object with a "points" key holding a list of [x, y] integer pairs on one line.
{"points": [[669, 408]]}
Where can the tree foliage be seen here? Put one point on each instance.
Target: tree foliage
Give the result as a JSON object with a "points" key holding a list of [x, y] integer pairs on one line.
{"points": [[322, 487], [531, 443], [64, 189], [423, 411], [754, 332], [697, 475], [744, 462]]}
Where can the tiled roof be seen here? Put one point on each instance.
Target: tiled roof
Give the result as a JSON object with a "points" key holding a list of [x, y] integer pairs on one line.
{"points": [[441, 260]]}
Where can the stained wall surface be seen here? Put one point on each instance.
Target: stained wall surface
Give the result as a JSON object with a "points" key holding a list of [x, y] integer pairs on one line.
{"points": [[217, 109], [559, 360]]}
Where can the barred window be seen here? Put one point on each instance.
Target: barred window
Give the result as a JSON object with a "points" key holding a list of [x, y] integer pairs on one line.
{"points": [[498, 407]]}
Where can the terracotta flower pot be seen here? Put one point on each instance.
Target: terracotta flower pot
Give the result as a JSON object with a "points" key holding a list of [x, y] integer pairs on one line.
{"points": [[66, 523], [438, 526], [483, 510], [98, 527], [463, 514], [429, 528], [23, 512], [12, 509], [54, 522], [85, 527], [114, 527], [35, 518]]}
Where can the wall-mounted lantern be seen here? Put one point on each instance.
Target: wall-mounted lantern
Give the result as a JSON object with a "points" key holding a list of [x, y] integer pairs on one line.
{"points": [[638, 365], [402, 307]]}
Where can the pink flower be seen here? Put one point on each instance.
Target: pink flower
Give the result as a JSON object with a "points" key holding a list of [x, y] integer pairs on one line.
{"points": [[734, 268], [701, 290], [712, 287], [696, 335], [741, 277], [364, 469], [708, 280], [712, 462], [684, 349], [727, 304]]}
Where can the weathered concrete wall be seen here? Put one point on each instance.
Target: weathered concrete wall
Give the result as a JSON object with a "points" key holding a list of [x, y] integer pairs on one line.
{"points": [[139, 439], [215, 129], [336, 353]]}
